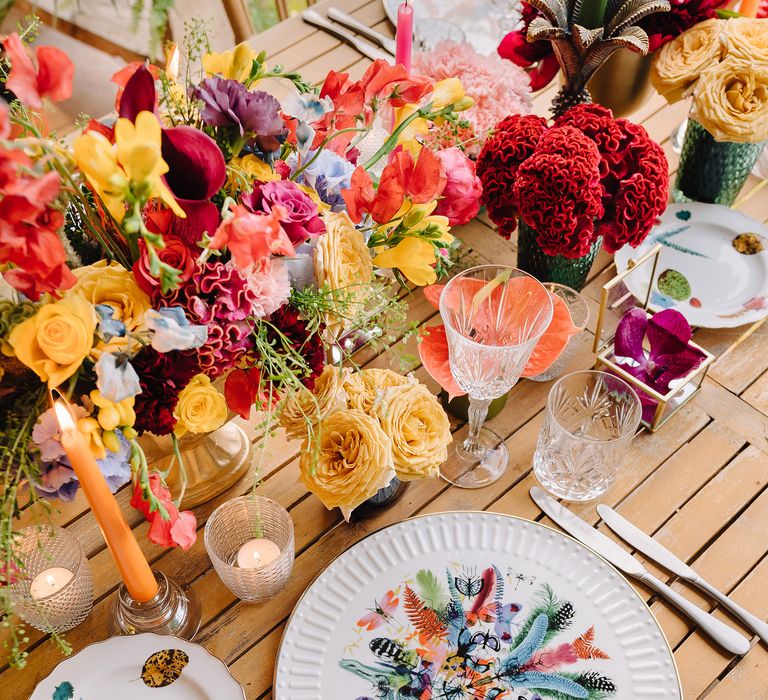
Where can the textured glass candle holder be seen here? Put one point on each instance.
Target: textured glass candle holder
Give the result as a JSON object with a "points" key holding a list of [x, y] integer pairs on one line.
{"points": [[590, 420], [39, 549], [236, 522], [571, 272], [579, 310], [712, 171]]}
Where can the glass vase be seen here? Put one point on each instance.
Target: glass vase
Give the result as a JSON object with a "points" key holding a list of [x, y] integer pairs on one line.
{"points": [[712, 171], [572, 272]]}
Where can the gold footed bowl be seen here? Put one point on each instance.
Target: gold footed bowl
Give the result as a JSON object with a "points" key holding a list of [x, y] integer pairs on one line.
{"points": [[213, 461], [623, 82]]}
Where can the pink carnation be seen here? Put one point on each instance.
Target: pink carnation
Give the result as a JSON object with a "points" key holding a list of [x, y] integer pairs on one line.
{"points": [[498, 87], [461, 197], [270, 284]]}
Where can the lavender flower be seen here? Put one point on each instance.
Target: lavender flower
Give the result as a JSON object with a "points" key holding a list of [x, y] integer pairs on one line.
{"points": [[328, 176], [228, 103]]}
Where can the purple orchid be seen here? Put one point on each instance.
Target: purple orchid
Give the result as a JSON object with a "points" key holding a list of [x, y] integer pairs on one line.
{"points": [[670, 355], [228, 103]]}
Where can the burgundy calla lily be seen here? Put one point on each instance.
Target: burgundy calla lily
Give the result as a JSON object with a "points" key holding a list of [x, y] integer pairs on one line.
{"points": [[139, 94], [670, 355]]}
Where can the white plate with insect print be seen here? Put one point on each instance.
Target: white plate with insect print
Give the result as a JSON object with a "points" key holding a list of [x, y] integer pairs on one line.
{"points": [[713, 266], [462, 606], [141, 666]]}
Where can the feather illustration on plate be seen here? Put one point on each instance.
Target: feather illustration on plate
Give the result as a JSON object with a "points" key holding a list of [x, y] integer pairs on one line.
{"points": [[461, 644]]}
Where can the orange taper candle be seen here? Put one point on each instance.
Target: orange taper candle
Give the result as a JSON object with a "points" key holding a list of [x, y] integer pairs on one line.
{"points": [[130, 560], [749, 8]]}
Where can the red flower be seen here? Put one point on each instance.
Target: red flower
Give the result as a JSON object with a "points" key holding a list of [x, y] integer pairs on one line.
{"points": [[422, 180], [516, 48], [252, 238], [662, 27], [53, 77], [124, 76], [387, 82], [161, 376], [514, 140], [293, 329], [175, 253], [559, 194], [179, 530], [243, 388]]}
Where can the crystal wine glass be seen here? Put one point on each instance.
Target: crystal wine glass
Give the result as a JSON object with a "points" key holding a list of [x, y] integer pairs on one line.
{"points": [[494, 315]]}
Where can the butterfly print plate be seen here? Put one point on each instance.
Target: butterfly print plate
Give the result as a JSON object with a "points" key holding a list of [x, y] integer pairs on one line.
{"points": [[713, 266], [472, 606], [138, 667]]}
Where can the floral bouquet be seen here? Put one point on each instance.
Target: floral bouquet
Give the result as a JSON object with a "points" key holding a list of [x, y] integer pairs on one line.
{"points": [[195, 256], [586, 179], [723, 64], [373, 425]]}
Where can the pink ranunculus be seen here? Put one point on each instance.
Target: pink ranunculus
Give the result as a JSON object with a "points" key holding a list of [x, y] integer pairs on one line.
{"points": [[461, 197]]}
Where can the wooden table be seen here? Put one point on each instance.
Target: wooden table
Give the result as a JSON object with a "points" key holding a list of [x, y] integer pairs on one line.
{"points": [[698, 484]]}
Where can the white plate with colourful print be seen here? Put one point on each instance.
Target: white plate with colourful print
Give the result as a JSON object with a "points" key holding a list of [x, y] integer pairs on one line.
{"points": [[713, 266], [460, 606], [139, 667]]}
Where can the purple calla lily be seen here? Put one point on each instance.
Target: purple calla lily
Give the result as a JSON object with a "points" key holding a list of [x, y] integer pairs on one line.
{"points": [[669, 357]]}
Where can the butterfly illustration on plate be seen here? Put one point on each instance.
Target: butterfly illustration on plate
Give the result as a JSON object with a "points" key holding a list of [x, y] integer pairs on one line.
{"points": [[381, 612], [520, 578]]}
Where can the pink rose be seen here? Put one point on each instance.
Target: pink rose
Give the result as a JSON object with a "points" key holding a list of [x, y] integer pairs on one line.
{"points": [[461, 196]]}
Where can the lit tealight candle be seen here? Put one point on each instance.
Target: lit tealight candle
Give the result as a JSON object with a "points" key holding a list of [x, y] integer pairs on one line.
{"points": [[49, 582], [258, 552]]}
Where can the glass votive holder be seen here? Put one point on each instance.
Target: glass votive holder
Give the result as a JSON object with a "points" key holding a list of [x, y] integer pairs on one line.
{"points": [[579, 311], [247, 521], [590, 420], [54, 591]]}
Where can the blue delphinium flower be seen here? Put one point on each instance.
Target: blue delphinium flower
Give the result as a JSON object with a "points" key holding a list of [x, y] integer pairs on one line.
{"points": [[115, 466], [328, 175]]}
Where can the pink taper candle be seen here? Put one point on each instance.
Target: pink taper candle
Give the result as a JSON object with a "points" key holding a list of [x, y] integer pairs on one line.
{"points": [[404, 35]]}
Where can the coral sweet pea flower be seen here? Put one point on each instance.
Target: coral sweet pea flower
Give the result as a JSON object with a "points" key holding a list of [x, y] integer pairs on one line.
{"points": [[414, 257], [138, 150], [53, 77], [235, 64]]}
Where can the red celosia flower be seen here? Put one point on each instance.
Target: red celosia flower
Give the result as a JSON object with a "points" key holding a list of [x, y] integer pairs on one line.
{"points": [[175, 253], [558, 192], [422, 180], [252, 238], [161, 376], [179, 530], [52, 79], [309, 345], [514, 139], [537, 55]]}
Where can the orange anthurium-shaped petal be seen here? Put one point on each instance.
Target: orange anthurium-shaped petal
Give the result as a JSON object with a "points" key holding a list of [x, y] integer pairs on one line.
{"points": [[433, 351], [432, 292], [554, 340]]}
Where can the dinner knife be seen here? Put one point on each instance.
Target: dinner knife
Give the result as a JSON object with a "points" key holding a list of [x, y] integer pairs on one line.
{"points": [[724, 635], [369, 50], [386, 43], [660, 554]]}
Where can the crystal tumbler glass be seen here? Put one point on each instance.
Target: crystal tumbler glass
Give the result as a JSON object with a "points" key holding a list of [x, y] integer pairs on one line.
{"points": [[239, 521], [54, 592], [494, 315], [590, 420]]}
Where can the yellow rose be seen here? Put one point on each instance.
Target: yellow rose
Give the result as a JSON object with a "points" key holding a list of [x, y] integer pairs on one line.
{"points": [[242, 172], [201, 408], [54, 342], [365, 387], [747, 38], [303, 409], [678, 64], [348, 462], [343, 264], [418, 427], [731, 101]]}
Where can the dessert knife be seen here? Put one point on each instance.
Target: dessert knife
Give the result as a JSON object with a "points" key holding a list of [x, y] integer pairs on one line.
{"points": [[369, 50], [386, 43]]}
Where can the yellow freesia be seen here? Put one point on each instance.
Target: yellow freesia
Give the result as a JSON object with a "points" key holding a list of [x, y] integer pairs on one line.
{"points": [[408, 137], [114, 414], [420, 217], [139, 152], [235, 64], [414, 257], [97, 160], [450, 92], [90, 429]]}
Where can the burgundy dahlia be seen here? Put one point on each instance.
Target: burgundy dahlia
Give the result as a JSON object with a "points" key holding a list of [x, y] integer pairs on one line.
{"points": [[290, 328], [161, 376]]}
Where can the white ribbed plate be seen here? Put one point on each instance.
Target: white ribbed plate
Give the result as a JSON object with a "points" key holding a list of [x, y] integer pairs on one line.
{"points": [[352, 635]]}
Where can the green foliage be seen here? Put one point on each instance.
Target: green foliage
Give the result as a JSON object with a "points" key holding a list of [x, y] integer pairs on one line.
{"points": [[158, 22], [431, 590]]}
